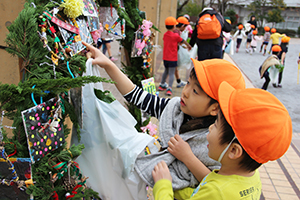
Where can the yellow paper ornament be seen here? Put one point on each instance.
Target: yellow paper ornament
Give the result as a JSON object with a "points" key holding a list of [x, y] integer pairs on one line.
{"points": [[73, 8]]}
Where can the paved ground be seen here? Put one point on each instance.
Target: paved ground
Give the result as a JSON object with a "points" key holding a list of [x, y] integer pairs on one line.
{"points": [[280, 178]]}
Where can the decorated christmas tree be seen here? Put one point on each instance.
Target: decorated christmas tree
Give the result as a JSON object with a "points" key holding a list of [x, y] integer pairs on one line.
{"points": [[47, 37]]}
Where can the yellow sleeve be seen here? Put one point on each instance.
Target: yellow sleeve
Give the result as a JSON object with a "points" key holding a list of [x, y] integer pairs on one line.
{"points": [[163, 190], [184, 193]]}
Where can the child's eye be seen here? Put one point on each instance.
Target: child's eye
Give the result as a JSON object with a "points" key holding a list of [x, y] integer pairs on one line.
{"points": [[195, 91], [187, 82]]}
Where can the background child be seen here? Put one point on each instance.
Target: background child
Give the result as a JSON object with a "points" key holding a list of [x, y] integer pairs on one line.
{"points": [[254, 40], [249, 38], [269, 70], [275, 38], [190, 116], [182, 24], [240, 146], [282, 55], [171, 41], [239, 35], [266, 39]]}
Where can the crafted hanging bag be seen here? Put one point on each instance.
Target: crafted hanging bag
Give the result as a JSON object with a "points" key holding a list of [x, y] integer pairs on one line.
{"points": [[209, 27]]}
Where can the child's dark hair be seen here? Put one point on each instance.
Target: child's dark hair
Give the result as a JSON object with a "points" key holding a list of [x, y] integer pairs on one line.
{"points": [[180, 25], [169, 27], [227, 134], [193, 75]]}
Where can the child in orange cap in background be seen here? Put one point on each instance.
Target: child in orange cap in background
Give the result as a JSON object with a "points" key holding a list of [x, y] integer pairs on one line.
{"points": [[282, 55], [239, 35], [240, 145], [266, 39], [275, 38], [271, 68], [254, 40], [182, 24], [249, 38], [171, 41], [189, 116]]}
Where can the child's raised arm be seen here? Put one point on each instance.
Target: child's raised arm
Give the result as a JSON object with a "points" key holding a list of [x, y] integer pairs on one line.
{"points": [[182, 151], [123, 83]]}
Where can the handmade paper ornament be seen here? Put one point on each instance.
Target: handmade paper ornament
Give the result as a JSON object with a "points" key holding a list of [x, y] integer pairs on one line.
{"points": [[89, 9], [15, 176], [44, 129], [74, 42], [113, 26], [149, 85], [143, 45]]}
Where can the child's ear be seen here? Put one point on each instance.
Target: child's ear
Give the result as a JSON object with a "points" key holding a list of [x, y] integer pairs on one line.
{"points": [[235, 151], [214, 109]]}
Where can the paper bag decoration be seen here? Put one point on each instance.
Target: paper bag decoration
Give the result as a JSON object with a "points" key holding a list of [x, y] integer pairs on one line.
{"points": [[44, 129], [149, 85], [22, 166]]}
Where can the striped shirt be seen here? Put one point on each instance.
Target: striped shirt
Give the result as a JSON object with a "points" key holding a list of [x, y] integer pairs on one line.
{"points": [[148, 103]]}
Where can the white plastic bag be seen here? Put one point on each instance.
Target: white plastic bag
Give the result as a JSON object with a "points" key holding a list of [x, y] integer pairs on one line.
{"points": [[183, 60], [111, 144]]}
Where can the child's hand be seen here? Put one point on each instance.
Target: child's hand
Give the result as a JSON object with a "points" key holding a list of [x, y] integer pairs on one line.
{"points": [[99, 58], [161, 171], [179, 148]]}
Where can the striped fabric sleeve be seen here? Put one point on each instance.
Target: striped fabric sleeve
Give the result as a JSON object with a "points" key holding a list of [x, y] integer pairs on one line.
{"points": [[147, 102]]}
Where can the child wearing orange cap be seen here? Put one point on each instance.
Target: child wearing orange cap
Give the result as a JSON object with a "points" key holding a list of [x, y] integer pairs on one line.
{"points": [[240, 146], [182, 24], [249, 38], [239, 35], [275, 38], [189, 116], [254, 40], [171, 41], [271, 68], [282, 55], [266, 39]]}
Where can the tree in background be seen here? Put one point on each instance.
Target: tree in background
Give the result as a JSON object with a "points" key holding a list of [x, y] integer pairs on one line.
{"points": [[269, 11], [233, 16]]}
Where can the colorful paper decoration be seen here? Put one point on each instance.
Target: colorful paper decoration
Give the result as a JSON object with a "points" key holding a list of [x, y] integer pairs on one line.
{"points": [[44, 129], [113, 26], [84, 35], [89, 9], [15, 173], [149, 85], [143, 44]]}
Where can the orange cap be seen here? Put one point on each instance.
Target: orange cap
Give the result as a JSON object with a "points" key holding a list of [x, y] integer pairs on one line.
{"points": [[211, 72], [183, 20], [276, 48], [259, 120], [170, 21], [241, 26], [254, 32], [252, 26], [267, 28], [285, 39], [273, 30]]}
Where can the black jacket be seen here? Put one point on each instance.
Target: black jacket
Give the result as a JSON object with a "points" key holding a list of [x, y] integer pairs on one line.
{"points": [[219, 41]]}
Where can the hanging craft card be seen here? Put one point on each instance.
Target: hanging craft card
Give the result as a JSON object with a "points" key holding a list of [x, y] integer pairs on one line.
{"points": [[75, 41], [142, 46], [149, 85], [89, 9], [113, 26], [44, 129], [22, 166]]}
